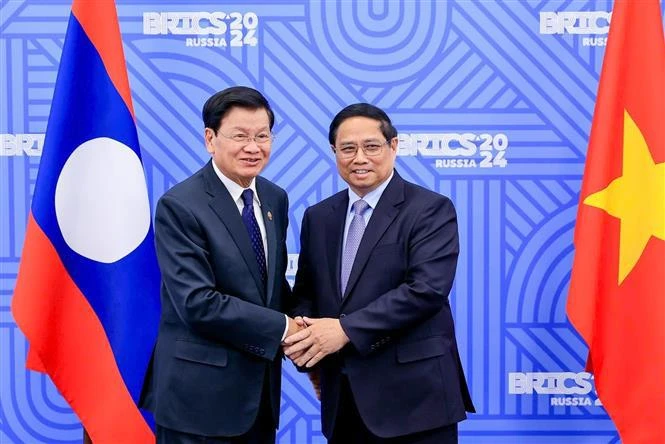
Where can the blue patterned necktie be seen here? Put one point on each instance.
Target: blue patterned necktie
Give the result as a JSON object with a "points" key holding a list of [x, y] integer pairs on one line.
{"points": [[254, 232], [353, 238]]}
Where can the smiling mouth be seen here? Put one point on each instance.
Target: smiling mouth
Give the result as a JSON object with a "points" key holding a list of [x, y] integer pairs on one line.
{"points": [[360, 171], [251, 161]]}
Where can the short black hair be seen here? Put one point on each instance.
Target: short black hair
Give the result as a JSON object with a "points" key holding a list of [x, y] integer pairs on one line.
{"points": [[219, 105], [362, 110]]}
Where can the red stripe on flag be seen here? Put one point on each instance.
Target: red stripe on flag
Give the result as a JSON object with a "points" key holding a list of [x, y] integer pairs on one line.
{"points": [[100, 22], [62, 329]]}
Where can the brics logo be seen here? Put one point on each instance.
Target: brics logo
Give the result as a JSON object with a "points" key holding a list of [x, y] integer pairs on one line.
{"points": [[212, 29], [21, 145], [576, 387], [456, 150], [577, 22]]}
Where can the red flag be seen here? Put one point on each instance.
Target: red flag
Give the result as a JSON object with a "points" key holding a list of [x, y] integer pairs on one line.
{"points": [[86, 295], [617, 290]]}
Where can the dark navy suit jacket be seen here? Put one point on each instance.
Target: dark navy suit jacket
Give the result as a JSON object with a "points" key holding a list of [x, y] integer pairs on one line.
{"points": [[220, 328], [402, 363]]}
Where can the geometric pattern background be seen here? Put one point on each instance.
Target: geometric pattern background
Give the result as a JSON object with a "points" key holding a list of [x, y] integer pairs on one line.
{"points": [[465, 82]]}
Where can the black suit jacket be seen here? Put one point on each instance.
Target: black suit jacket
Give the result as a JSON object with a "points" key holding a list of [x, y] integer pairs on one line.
{"points": [[402, 363], [220, 328]]}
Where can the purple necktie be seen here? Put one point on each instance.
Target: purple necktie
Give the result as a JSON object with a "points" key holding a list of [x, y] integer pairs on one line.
{"points": [[353, 238], [254, 232]]}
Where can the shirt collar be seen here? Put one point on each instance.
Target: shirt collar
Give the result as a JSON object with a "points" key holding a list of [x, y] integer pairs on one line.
{"points": [[235, 190], [372, 198]]}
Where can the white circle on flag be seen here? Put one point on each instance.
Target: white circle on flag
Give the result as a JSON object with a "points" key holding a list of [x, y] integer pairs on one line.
{"points": [[101, 200]]}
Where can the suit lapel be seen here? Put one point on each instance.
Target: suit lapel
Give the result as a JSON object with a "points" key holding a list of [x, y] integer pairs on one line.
{"points": [[334, 237], [383, 215], [227, 210], [268, 211]]}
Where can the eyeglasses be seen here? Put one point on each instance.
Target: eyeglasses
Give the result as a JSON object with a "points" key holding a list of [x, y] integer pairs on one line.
{"points": [[260, 139], [370, 149]]}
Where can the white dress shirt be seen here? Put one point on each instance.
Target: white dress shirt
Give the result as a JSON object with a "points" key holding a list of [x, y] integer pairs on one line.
{"points": [[235, 190]]}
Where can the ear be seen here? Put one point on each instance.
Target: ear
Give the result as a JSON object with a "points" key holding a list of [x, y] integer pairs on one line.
{"points": [[208, 135]]}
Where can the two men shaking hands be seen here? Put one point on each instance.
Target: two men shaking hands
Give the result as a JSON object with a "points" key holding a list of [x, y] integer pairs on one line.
{"points": [[368, 317]]}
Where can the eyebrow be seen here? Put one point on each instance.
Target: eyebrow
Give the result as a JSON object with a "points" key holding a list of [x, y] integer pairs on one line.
{"points": [[245, 129], [363, 141]]}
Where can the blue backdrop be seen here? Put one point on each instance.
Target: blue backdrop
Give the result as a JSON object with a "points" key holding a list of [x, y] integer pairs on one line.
{"points": [[493, 101]]}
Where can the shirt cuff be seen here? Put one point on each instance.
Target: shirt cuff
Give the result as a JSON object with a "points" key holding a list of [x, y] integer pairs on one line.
{"points": [[286, 327]]}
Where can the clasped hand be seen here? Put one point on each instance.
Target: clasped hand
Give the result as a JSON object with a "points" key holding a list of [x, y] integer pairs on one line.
{"points": [[317, 339]]}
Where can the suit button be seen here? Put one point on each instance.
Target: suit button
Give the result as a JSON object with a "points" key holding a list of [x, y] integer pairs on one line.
{"points": [[342, 315]]}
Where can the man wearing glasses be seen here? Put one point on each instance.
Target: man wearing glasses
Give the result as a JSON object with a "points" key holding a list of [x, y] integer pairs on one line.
{"points": [[220, 238], [377, 262]]}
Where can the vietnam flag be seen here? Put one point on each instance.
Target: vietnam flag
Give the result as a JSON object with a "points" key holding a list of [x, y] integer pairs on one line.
{"points": [[617, 291], [86, 295]]}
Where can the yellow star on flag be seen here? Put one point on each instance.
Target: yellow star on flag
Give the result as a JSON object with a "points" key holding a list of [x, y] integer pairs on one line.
{"points": [[637, 198]]}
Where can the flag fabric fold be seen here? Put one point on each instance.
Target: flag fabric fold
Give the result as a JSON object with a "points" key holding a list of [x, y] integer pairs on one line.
{"points": [[617, 292], [87, 291]]}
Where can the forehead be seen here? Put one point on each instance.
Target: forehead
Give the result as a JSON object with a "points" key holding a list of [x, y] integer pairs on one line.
{"points": [[238, 117], [358, 127]]}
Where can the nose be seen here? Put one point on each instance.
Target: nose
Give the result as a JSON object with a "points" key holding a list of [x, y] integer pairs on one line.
{"points": [[360, 157], [251, 147]]}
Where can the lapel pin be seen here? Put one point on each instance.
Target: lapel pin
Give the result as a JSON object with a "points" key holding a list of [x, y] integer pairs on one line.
{"points": [[269, 215]]}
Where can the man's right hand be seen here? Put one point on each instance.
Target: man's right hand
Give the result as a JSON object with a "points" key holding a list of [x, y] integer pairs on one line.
{"points": [[295, 325]]}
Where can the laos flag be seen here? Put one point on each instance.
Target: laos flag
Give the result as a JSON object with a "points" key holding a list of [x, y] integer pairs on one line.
{"points": [[86, 295]]}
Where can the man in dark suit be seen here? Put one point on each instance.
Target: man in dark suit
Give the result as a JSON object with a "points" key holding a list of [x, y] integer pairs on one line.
{"points": [[220, 237], [377, 262]]}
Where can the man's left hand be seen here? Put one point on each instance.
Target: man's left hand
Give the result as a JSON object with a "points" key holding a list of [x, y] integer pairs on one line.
{"points": [[321, 338]]}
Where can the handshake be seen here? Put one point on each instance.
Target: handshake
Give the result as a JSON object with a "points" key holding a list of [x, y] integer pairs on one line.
{"points": [[309, 340]]}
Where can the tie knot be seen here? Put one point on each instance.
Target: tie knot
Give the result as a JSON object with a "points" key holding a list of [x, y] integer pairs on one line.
{"points": [[248, 197], [359, 207]]}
